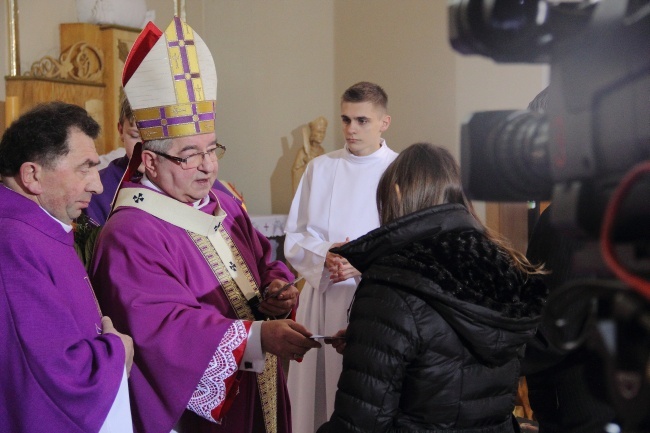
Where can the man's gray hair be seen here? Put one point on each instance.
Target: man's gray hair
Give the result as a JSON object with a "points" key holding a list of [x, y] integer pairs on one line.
{"points": [[162, 145]]}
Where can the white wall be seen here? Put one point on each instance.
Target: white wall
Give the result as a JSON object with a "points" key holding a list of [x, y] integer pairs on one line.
{"points": [[275, 63], [404, 47], [39, 30]]}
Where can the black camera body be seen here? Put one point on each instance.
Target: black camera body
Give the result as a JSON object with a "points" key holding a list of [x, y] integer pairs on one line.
{"points": [[596, 124], [594, 129]]}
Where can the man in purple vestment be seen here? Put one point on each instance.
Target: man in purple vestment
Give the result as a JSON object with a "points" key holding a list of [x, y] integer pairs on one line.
{"points": [[111, 175], [61, 363], [180, 266]]}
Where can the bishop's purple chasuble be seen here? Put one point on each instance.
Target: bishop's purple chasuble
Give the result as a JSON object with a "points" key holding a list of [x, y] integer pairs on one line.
{"points": [[156, 284]]}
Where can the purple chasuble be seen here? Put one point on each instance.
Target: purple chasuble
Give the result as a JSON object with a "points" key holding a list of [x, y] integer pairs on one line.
{"points": [[157, 287], [57, 374], [111, 175]]}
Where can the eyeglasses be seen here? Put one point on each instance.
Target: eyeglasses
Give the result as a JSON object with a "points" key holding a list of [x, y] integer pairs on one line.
{"points": [[196, 159]]}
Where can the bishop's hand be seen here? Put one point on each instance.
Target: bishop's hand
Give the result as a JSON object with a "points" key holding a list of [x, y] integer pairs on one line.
{"points": [[286, 339]]}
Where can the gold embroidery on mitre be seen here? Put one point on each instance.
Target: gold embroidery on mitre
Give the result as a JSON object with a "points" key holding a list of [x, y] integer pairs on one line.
{"points": [[178, 120]]}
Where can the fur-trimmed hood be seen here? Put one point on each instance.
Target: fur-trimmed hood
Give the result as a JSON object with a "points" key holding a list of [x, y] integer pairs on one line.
{"points": [[441, 255]]}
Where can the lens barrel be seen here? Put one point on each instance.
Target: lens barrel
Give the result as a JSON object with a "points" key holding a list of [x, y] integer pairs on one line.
{"points": [[505, 156]]}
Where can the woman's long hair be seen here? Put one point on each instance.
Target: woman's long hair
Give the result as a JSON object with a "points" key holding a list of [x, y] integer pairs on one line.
{"points": [[425, 175]]}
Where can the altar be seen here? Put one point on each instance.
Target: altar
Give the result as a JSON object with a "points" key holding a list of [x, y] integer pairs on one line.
{"points": [[272, 226]]}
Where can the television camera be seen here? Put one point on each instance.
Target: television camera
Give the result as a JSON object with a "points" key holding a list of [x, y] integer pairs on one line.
{"points": [[589, 153]]}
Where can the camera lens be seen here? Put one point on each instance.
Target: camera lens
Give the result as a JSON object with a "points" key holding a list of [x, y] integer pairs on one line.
{"points": [[502, 29], [505, 157]]}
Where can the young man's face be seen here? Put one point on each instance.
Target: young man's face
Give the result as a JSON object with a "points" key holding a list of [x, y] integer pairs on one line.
{"points": [[70, 184], [363, 123], [185, 185], [129, 135]]}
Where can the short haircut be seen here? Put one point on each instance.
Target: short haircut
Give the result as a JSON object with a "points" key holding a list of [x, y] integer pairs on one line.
{"points": [[126, 112], [41, 135], [366, 92], [159, 145]]}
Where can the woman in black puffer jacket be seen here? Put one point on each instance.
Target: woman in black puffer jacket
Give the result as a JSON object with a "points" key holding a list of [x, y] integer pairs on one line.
{"points": [[442, 314]]}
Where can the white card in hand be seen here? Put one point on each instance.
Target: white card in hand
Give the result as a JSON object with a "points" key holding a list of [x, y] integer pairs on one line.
{"points": [[320, 337]]}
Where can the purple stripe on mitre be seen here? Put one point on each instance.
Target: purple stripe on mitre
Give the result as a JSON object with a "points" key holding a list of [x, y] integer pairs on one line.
{"points": [[190, 91], [180, 35], [163, 120], [186, 70], [206, 116], [182, 76], [177, 43], [186, 67], [186, 63], [179, 27], [179, 120], [195, 118], [148, 123]]}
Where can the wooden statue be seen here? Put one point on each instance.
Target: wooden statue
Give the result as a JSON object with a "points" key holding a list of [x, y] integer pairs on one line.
{"points": [[311, 148]]}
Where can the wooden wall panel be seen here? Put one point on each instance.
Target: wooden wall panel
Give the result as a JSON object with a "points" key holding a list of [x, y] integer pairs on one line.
{"points": [[100, 98], [32, 91], [510, 220], [115, 43], [3, 125]]}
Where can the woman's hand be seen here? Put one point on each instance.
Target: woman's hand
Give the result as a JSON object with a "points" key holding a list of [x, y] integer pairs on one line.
{"points": [[338, 341]]}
